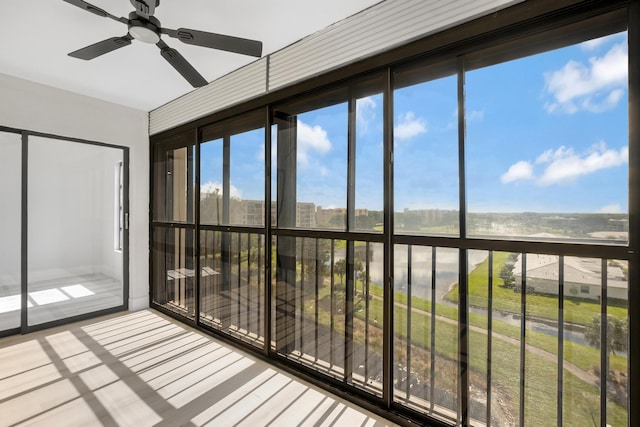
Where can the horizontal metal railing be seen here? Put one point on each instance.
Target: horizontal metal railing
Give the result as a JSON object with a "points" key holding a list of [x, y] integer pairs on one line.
{"points": [[336, 309]]}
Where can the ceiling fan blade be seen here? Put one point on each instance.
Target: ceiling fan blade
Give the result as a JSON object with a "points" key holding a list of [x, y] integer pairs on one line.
{"points": [[181, 65], [95, 10], [217, 41], [100, 48], [88, 7]]}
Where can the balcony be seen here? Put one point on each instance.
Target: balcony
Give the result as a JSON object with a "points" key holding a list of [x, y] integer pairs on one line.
{"points": [[532, 329]]}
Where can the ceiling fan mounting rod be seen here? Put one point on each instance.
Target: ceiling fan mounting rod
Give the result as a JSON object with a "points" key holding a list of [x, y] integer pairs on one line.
{"points": [[145, 8]]}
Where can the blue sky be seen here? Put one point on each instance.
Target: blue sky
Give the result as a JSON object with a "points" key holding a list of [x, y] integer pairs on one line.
{"points": [[546, 133]]}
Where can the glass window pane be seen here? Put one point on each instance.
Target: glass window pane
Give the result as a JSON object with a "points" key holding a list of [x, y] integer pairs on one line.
{"points": [[505, 337], [425, 141], [312, 168], [74, 267], [425, 324], [10, 226], [173, 182], [321, 164], [247, 178], [173, 269], [211, 188], [232, 284], [542, 341], [480, 280], [369, 203], [547, 153], [368, 316], [618, 334], [274, 174]]}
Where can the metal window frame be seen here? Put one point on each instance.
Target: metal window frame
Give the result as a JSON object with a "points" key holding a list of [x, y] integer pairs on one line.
{"points": [[545, 29]]}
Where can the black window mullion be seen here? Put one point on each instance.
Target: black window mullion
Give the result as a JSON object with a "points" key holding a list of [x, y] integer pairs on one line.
{"points": [[332, 311], [349, 292], [317, 297], [523, 336], [350, 273], [197, 282], [24, 237], [239, 283], [351, 164], [225, 300], [560, 339], [409, 285], [301, 295], [489, 334], [432, 353], [604, 340], [388, 321], [463, 299], [249, 291], [634, 213], [366, 315], [268, 237]]}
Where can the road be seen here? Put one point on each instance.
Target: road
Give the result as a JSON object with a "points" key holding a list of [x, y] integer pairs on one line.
{"points": [[578, 372]]}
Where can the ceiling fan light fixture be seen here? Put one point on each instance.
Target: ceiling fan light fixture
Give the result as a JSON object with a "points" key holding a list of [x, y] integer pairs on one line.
{"points": [[145, 30], [144, 34]]}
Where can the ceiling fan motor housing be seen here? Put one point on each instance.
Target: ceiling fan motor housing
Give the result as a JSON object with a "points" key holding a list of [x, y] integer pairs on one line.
{"points": [[145, 30]]}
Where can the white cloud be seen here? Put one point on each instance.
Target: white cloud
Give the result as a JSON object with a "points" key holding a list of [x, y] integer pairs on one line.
{"points": [[260, 152], [564, 165], [521, 170], [607, 103], [409, 126], [311, 139], [594, 44], [475, 115], [365, 112], [597, 86], [213, 187], [612, 208]]}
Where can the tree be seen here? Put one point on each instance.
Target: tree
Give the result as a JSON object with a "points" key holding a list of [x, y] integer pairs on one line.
{"points": [[506, 274], [310, 256], [617, 335], [359, 273], [341, 269]]}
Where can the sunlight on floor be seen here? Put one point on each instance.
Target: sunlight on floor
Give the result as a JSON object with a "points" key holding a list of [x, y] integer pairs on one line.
{"points": [[142, 369], [44, 297]]}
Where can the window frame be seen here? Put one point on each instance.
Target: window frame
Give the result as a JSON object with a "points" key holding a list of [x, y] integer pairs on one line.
{"points": [[566, 25]]}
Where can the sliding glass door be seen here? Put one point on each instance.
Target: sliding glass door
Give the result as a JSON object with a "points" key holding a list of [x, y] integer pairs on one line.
{"points": [[75, 222], [63, 228]]}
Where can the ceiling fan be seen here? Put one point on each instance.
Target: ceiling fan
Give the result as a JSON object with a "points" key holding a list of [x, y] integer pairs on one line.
{"points": [[143, 26]]}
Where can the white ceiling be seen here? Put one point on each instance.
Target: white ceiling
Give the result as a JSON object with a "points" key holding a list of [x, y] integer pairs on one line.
{"points": [[37, 35]]}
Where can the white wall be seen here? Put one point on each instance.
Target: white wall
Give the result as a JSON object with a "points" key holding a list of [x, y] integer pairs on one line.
{"points": [[35, 107]]}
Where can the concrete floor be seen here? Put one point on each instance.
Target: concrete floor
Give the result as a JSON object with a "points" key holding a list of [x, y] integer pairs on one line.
{"points": [[144, 369]]}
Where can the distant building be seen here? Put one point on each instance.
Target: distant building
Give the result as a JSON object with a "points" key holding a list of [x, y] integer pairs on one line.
{"points": [[247, 212], [582, 277], [324, 216], [305, 215]]}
